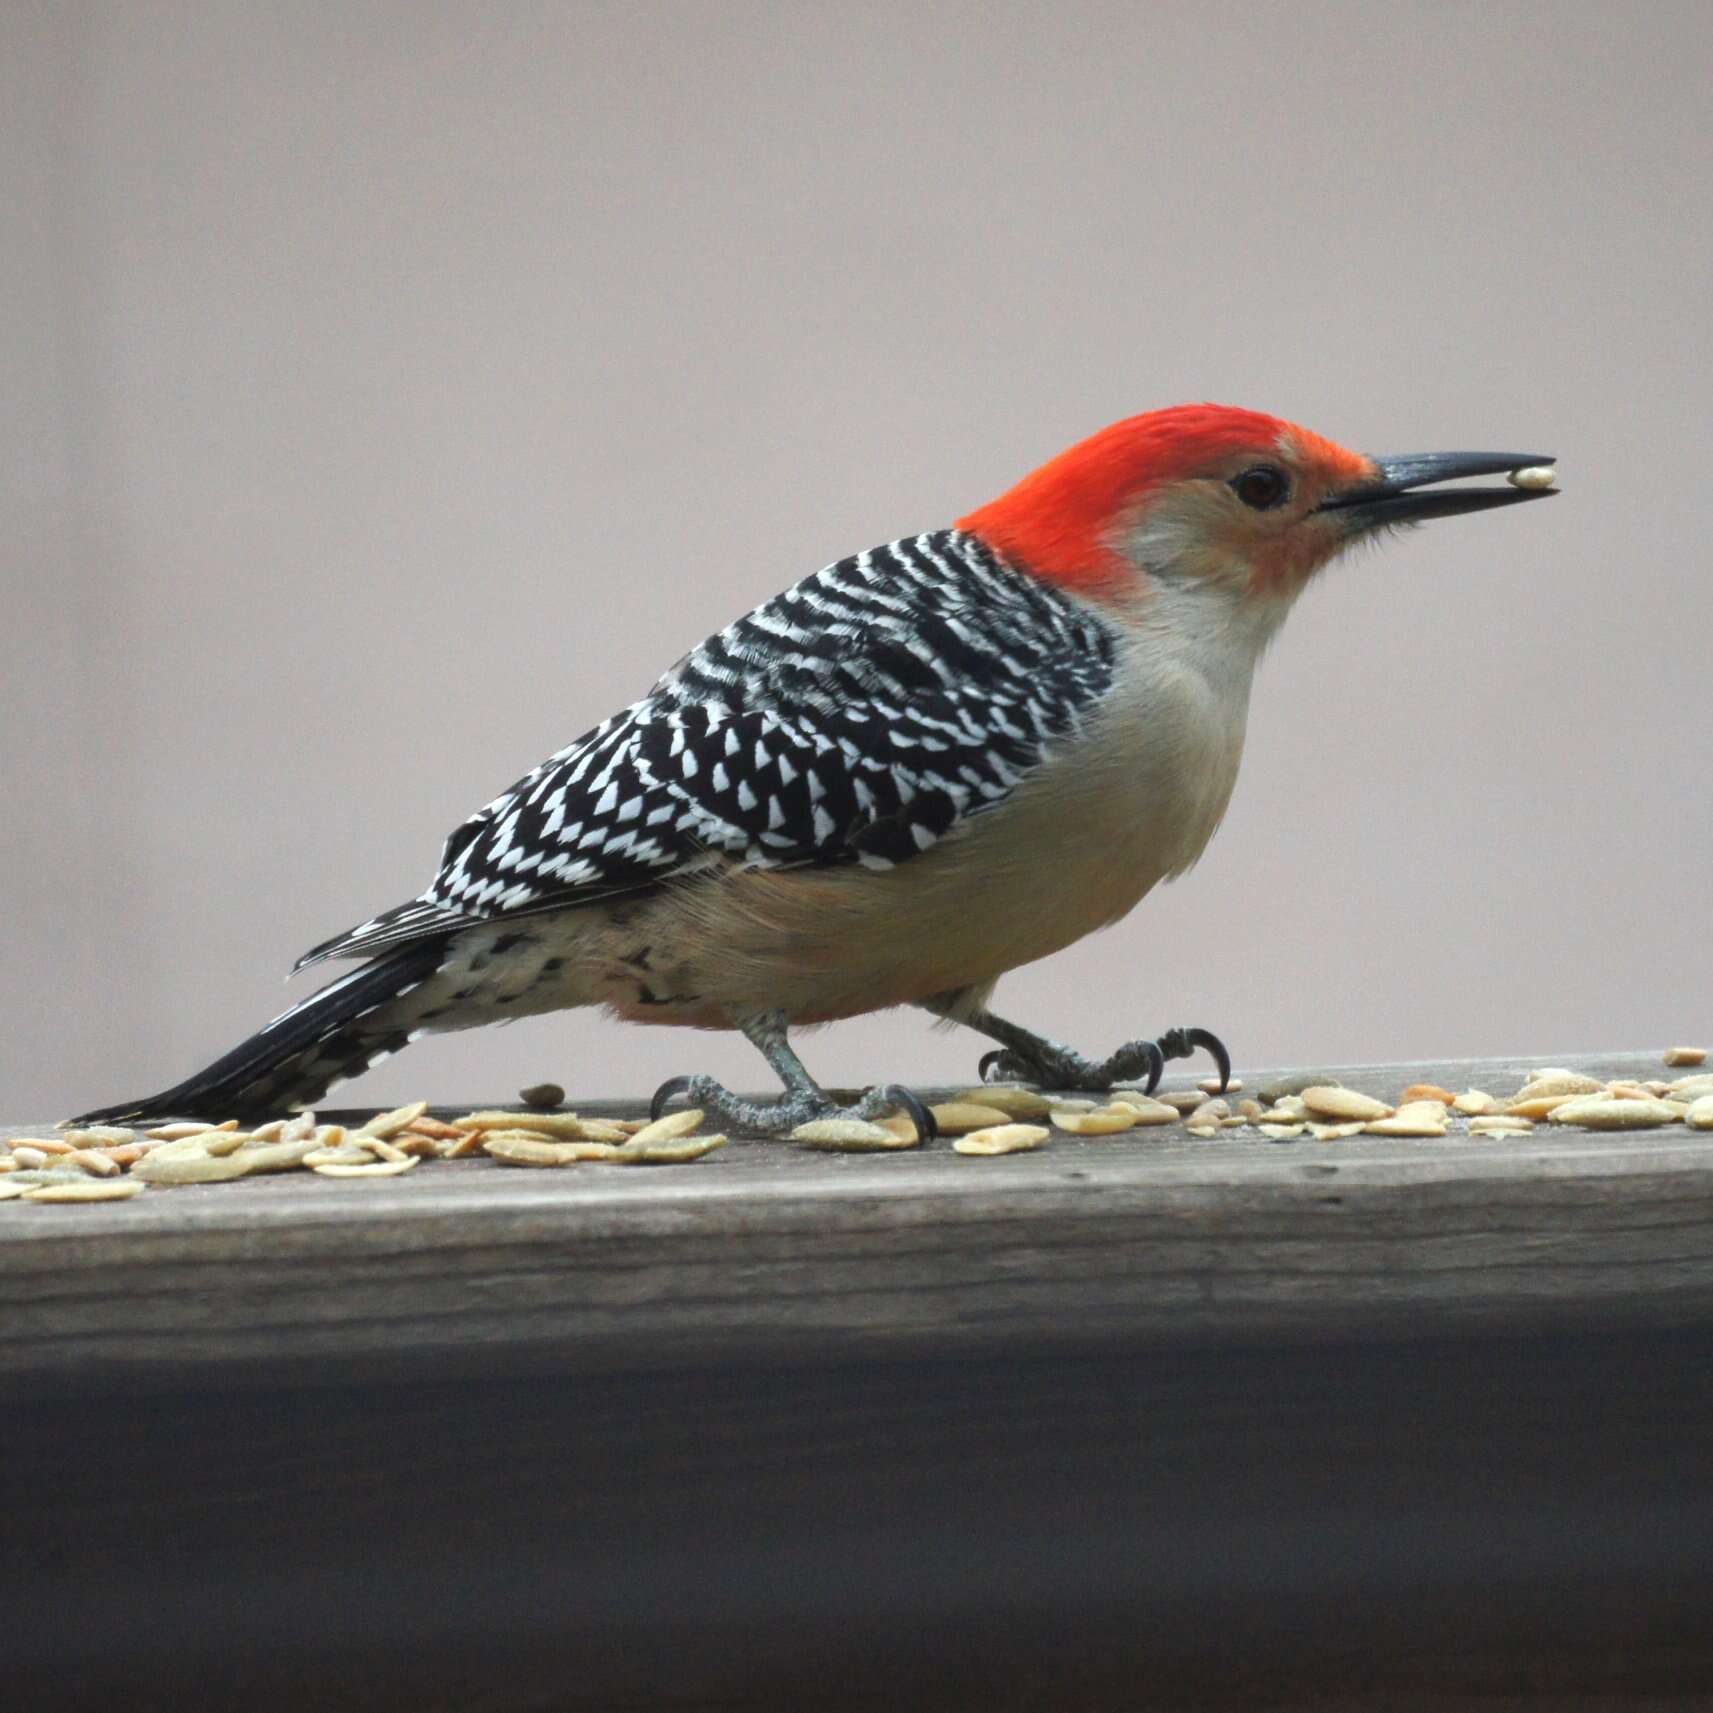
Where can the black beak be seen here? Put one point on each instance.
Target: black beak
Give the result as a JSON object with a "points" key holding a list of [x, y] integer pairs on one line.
{"points": [[1397, 495]]}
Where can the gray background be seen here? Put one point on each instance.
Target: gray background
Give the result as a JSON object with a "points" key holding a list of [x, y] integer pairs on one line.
{"points": [[391, 391]]}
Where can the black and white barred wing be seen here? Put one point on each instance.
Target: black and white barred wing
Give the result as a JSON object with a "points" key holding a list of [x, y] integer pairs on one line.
{"points": [[859, 717]]}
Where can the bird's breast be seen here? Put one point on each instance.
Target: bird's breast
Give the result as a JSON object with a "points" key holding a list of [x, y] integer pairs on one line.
{"points": [[1130, 799]]}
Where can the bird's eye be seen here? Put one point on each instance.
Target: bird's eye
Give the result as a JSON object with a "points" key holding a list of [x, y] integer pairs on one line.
{"points": [[1263, 486]]}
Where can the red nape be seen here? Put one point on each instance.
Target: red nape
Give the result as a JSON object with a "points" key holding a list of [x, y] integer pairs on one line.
{"points": [[1055, 522]]}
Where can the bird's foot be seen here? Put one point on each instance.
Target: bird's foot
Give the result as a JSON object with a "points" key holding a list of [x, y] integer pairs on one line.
{"points": [[1048, 1065], [780, 1117]]}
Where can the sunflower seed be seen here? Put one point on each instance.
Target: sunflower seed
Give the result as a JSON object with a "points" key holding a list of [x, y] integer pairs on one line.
{"points": [[1143, 1110], [1539, 1106], [1420, 1124], [1602, 1112], [280, 1156], [374, 1169], [1002, 1139], [339, 1154], [563, 1124], [1534, 477], [97, 1165], [88, 1189], [1500, 1126], [671, 1152], [1327, 1100], [160, 1167], [383, 1124], [1427, 1091], [1107, 1121], [1181, 1100], [1009, 1098], [847, 1135], [955, 1117], [1557, 1082], [526, 1148], [667, 1129]]}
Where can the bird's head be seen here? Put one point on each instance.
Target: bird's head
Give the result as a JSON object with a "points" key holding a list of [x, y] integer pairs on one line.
{"points": [[1208, 498]]}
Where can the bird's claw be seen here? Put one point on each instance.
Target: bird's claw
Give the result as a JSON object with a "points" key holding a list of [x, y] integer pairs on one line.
{"points": [[1058, 1068], [781, 1117]]}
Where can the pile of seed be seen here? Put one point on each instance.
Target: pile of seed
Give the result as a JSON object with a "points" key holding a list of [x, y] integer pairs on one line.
{"points": [[112, 1163], [1319, 1107]]}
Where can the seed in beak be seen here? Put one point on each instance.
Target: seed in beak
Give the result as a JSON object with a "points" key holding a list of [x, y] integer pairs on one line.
{"points": [[1535, 476]]}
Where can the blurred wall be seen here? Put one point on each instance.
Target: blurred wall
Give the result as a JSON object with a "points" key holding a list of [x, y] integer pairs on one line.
{"points": [[392, 390]]}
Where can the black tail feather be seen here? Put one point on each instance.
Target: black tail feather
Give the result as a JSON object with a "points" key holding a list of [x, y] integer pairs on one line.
{"points": [[335, 1033]]}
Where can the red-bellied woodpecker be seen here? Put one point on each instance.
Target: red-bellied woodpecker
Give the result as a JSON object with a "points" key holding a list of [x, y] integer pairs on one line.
{"points": [[911, 772]]}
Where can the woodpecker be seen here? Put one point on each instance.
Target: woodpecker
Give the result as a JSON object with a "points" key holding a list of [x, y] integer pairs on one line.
{"points": [[909, 773]]}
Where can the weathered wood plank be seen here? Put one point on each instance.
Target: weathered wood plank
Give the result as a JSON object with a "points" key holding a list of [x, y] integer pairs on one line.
{"points": [[1130, 1421], [764, 1250]]}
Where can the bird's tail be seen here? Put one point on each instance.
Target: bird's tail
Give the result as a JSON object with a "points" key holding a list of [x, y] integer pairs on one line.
{"points": [[336, 1033]]}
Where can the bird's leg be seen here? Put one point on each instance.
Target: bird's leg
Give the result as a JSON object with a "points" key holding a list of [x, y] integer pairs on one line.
{"points": [[803, 1099], [1024, 1056]]}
